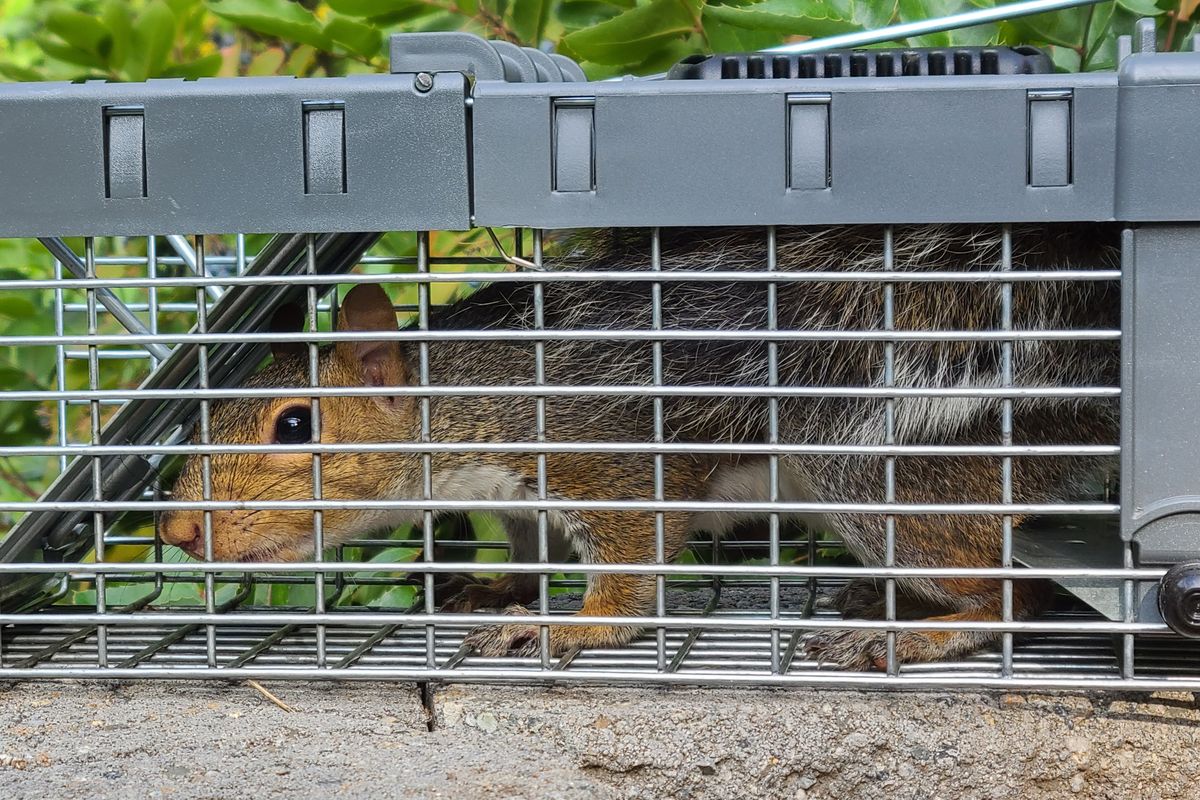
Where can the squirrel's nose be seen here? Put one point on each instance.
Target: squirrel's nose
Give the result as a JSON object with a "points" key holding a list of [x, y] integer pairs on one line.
{"points": [[183, 531]]}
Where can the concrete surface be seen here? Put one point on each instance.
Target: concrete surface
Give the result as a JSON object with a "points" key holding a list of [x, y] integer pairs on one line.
{"points": [[379, 740]]}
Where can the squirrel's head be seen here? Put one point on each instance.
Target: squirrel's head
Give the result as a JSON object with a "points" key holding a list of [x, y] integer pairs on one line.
{"points": [[287, 535]]}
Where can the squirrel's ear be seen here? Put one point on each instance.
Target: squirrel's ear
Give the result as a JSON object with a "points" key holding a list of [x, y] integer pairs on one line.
{"points": [[380, 363], [289, 318]]}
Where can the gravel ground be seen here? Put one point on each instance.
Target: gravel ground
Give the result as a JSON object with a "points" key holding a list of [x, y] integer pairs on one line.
{"points": [[217, 740]]}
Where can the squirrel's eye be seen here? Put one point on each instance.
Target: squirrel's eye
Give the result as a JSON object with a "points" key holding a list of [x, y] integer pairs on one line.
{"points": [[294, 426]]}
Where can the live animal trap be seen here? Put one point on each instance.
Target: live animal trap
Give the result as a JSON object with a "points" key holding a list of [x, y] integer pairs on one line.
{"points": [[940, 312]]}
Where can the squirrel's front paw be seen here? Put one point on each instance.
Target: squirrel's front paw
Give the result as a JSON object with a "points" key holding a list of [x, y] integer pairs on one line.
{"points": [[858, 650], [866, 649], [502, 640], [521, 639], [509, 591]]}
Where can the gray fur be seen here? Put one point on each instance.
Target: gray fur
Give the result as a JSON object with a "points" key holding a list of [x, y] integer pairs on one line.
{"points": [[948, 540]]}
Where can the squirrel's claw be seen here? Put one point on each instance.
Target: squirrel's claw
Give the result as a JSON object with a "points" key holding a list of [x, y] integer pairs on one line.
{"points": [[522, 639], [501, 640], [858, 650]]}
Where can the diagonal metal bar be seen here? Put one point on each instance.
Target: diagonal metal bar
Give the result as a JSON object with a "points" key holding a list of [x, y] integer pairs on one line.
{"points": [[188, 254], [905, 30], [892, 33], [67, 257]]}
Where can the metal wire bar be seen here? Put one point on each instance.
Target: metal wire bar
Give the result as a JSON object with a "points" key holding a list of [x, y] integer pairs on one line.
{"points": [[91, 340], [672, 620], [205, 461], [619, 677], [588, 276], [180, 634], [188, 256], [60, 371], [543, 478], [79, 635], [558, 390], [357, 653], [96, 463], [743, 570], [314, 379], [66, 257], [773, 459], [993, 509], [656, 351], [426, 438], [693, 635], [889, 466], [1006, 438], [967, 19]]}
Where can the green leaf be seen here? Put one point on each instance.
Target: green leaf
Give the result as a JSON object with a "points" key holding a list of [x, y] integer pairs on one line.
{"points": [[724, 38], [372, 8], [300, 60], [918, 10], [280, 19], [529, 20], [203, 67], [14, 380], [584, 13], [1143, 8], [1065, 59], [15, 72], [153, 35], [628, 36], [872, 14], [183, 7], [357, 38], [1043, 29], [267, 62], [808, 18], [70, 55], [119, 22], [82, 31], [383, 21], [14, 306]]}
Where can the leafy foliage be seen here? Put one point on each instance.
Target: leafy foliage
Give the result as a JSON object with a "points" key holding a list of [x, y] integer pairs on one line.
{"points": [[137, 39]]}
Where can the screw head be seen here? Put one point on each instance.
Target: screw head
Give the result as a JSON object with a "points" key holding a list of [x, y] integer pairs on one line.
{"points": [[1179, 598], [423, 82]]}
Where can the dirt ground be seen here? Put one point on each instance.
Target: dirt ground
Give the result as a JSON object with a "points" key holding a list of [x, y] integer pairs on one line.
{"points": [[219, 740]]}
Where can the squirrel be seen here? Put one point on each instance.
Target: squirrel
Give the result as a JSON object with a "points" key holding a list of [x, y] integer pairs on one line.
{"points": [[628, 537]]}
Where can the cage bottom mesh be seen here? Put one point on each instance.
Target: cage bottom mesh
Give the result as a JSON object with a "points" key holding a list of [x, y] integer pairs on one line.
{"points": [[243, 646]]}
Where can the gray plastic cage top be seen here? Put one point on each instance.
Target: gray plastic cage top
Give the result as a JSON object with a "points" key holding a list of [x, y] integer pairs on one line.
{"points": [[467, 133]]}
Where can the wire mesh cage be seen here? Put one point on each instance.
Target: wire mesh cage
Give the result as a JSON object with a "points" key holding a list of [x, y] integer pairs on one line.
{"points": [[628, 442]]}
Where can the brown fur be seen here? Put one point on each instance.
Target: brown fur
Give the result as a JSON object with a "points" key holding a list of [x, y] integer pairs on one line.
{"points": [[957, 540]]}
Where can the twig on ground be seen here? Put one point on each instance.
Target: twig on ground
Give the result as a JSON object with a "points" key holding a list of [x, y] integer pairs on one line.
{"points": [[263, 691]]}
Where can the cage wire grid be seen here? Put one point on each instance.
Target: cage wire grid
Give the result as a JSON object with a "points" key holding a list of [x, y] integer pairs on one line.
{"points": [[714, 621]]}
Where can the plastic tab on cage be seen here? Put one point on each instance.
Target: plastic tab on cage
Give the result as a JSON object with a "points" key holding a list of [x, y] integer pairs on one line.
{"points": [[124, 152], [574, 150], [484, 60], [324, 148], [808, 141], [1050, 137]]}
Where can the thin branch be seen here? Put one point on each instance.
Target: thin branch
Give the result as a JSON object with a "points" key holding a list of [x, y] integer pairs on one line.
{"points": [[10, 474], [493, 21], [263, 691], [1174, 25], [1083, 49], [698, 25]]}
